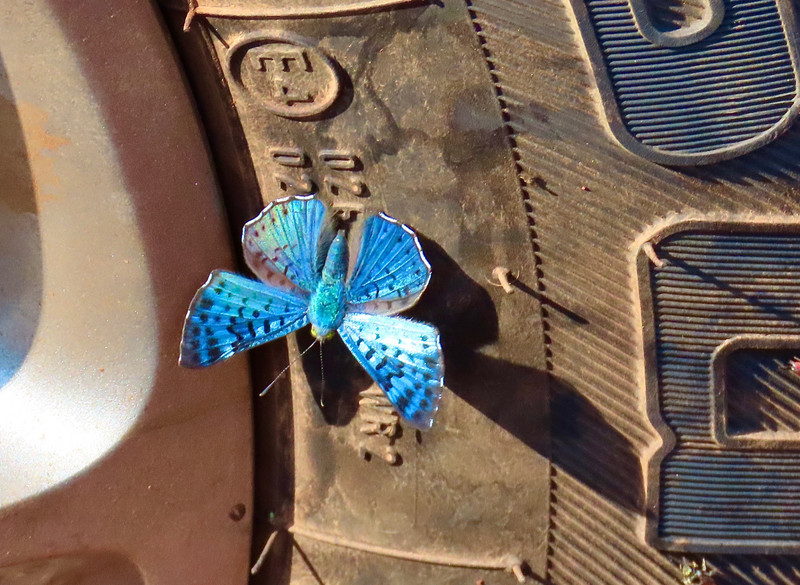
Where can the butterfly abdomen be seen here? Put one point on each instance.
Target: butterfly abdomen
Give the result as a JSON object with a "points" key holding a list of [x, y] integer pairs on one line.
{"points": [[328, 302]]}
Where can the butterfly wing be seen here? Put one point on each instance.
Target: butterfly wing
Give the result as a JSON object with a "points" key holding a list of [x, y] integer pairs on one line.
{"points": [[391, 271], [231, 313], [404, 357], [285, 245]]}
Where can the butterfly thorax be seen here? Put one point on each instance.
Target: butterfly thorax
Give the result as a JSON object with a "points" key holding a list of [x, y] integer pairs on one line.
{"points": [[328, 301]]}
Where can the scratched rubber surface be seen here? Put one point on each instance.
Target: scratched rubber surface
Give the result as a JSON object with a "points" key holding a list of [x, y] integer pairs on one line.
{"points": [[590, 201]]}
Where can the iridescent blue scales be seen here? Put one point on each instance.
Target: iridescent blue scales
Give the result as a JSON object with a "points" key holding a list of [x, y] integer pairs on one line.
{"points": [[302, 261], [231, 313]]}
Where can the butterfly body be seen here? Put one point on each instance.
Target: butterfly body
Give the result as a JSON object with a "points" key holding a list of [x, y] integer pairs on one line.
{"points": [[302, 266], [328, 302]]}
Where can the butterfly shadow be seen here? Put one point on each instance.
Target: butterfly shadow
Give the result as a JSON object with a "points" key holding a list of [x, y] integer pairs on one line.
{"points": [[458, 306], [546, 413], [334, 376], [513, 396], [578, 427]]}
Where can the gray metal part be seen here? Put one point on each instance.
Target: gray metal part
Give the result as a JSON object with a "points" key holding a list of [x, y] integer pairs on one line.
{"points": [[110, 219], [81, 385]]}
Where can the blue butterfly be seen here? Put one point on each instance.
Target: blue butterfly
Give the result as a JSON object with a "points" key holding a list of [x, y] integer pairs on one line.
{"points": [[302, 263]]}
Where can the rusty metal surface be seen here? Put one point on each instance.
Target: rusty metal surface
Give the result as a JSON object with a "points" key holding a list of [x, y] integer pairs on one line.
{"points": [[411, 127], [116, 466]]}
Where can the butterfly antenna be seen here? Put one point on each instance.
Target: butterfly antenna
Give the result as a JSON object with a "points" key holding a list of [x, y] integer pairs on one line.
{"points": [[322, 375], [283, 371]]}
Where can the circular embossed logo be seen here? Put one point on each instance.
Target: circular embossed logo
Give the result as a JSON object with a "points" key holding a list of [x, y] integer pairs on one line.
{"points": [[287, 76]]}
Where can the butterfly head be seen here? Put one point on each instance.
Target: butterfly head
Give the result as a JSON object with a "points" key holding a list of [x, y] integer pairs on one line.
{"points": [[322, 335]]}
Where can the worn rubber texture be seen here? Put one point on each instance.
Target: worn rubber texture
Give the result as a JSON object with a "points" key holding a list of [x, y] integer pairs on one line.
{"points": [[583, 146], [393, 110], [596, 205]]}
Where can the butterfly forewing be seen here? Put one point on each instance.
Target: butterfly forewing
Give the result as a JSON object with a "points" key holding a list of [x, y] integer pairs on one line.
{"points": [[391, 271], [231, 313], [285, 244], [404, 357]]}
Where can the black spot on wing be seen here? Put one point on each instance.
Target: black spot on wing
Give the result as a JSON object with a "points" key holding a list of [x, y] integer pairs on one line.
{"points": [[402, 404], [214, 330]]}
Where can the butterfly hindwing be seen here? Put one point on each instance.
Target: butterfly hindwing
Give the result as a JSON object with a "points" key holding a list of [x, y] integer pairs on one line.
{"points": [[231, 313], [391, 271], [285, 245], [404, 357]]}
